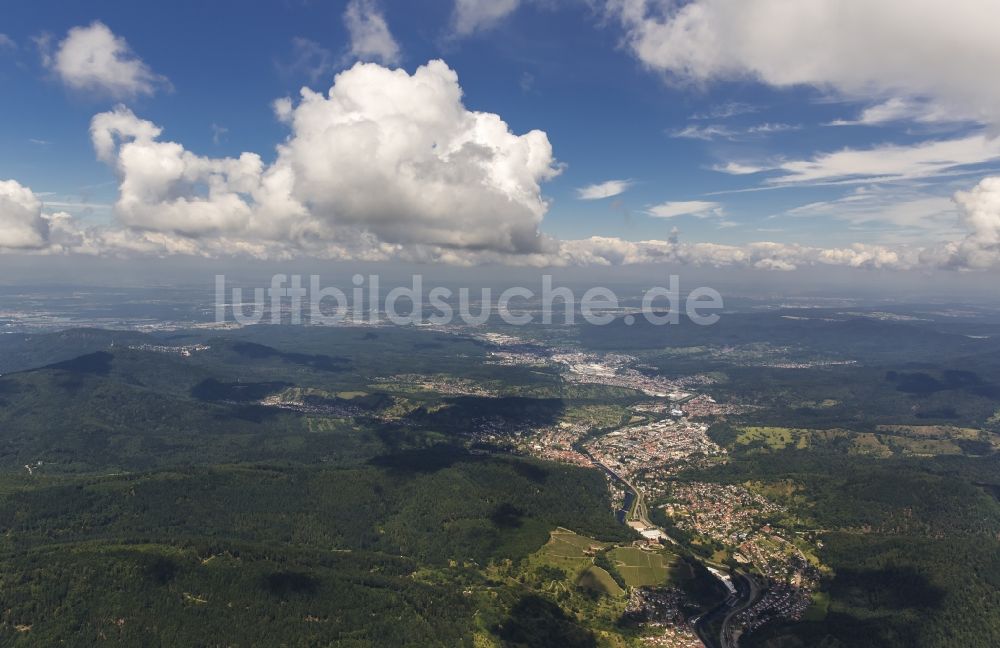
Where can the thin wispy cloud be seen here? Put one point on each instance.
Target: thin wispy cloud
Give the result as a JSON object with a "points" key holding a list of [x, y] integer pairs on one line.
{"points": [[673, 209], [470, 16], [706, 133], [371, 39], [879, 164], [308, 59], [218, 133], [738, 168], [890, 162], [720, 131], [890, 208], [726, 110], [897, 110], [77, 205], [772, 127], [605, 189]]}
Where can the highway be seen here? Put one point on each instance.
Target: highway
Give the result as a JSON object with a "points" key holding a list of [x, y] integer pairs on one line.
{"points": [[747, 589], [639, 511]]}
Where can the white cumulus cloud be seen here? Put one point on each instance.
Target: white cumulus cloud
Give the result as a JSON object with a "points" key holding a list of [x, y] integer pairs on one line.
{"points": [[22, 225], [371, 39], [384, 159], [164, 187], [93, 58], [399, 155], [981, 216]]}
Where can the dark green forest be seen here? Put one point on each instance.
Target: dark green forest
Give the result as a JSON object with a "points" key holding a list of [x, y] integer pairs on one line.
{"points": [[151, 499]]}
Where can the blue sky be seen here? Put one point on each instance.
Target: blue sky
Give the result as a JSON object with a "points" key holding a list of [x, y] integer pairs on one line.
{"points": [[615, 103]]}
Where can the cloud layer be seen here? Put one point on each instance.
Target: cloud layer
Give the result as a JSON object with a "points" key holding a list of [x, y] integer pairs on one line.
{"points": [[24, 228], [392, 165]]}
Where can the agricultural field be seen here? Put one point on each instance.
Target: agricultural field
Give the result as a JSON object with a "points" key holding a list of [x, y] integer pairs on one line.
{"points": [[568, 551], [642, 568], [576, 556]]}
